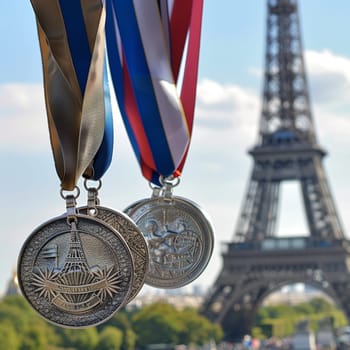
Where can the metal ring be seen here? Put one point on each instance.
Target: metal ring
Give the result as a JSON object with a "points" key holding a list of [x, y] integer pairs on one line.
{"points": [[153, 186], [99, 182], [72, 219], [76, 188], [170, 180]]}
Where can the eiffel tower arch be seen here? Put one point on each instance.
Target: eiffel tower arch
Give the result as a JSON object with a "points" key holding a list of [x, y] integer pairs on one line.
{"points": [[257, 262]]}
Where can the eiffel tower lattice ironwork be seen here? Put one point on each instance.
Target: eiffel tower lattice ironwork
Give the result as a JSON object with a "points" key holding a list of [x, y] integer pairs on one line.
{"points": [[75, 259], [257, 262]]}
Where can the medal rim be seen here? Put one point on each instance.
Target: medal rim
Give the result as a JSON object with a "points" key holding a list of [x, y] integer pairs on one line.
{"points": [[133, 293], [36, 232], [205, 222], [129, 209]]}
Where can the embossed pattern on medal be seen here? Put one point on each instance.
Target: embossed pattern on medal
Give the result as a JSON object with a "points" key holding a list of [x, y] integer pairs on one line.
{"points": [[75, 277], [134, 239], [180, 240], [132, 206]]}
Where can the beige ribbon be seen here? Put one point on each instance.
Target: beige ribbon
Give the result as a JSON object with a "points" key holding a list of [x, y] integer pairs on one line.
{"points": [[76, 122]]}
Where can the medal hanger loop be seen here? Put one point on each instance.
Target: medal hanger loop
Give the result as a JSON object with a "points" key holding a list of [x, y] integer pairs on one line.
{"points": [[88, 188], [93, 199], [168, 183], [71, 203], [64, 196], [156, 190]]}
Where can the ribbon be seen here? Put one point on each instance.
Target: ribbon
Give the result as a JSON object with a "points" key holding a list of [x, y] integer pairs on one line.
{"points": [[72, 43], [187, 18], [145, 44], [103, 157]]}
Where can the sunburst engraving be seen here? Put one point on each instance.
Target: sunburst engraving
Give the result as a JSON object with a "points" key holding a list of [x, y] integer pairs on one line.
{"points": [[39, 281], [113, 280], [76, 288]]}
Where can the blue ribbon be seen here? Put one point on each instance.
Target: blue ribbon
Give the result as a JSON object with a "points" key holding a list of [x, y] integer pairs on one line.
{"points": [[103, 156], [125, 18]]}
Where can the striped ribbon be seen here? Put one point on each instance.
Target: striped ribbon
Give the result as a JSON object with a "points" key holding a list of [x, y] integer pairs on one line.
{"points": [[103, 157], [72, 41], [146, 42]]}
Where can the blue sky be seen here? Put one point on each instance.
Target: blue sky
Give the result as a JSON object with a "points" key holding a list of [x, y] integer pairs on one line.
{"points": [[227, 115]]}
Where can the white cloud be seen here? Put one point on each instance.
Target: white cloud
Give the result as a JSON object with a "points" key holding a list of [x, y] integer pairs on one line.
{"points": [[214, 93], [22, 118], [225, 113], [329, 77], [227, 109], [229, 114], [328, 62], [331, 126]]}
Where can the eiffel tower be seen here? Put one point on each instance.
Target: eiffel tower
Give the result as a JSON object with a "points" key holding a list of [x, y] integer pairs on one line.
{"points": [[75, 259], [257, 262]]}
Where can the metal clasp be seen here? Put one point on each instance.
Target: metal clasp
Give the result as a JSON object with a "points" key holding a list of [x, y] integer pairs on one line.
{"points": [[93, 199], [168, 183], [156, 190], [71, 204]]}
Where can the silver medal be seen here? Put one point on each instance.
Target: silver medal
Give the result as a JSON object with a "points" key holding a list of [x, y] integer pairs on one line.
{"points": [[179, 236], [133, 237], [156, 193], [75, 274]]}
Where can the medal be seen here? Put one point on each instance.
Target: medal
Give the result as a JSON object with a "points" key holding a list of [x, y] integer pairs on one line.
{"points": [[179, 236], [75, 271], [128, 230], [158, 118]]}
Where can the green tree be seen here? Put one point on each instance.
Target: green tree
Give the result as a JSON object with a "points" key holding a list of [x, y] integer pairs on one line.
{"points": [[163, 323], [197, 329], [35, 338], [305, 309], [111, 338], [129, 339], [121, 321], [16, 311], [282, 319], [8, 337], [279, 311], [321, 305], [156, 323], [155, 328], [80, 339], [32, 331]]}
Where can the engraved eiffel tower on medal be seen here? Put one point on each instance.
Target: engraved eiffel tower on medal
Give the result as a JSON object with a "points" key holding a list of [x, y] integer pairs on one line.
{"points": [[76, 288]]}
